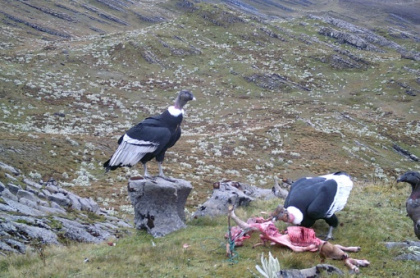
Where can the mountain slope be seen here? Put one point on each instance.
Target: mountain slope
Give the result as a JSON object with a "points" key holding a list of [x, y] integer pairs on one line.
{"points": [[286, 97], [54, 20]]}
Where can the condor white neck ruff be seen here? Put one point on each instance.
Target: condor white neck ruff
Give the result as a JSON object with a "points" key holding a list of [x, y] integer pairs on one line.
{"points": [[297, 214], [175, 111]]}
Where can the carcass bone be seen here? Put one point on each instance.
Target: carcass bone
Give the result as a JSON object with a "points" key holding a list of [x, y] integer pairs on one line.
{"points": [[297, 238], [278, 190]]}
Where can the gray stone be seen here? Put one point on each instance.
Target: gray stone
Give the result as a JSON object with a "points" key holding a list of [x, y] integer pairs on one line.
{"points": [[32, 183], [408, 257], [220, 200], [317, 271], [231, 192], [52, 188], [15, 245], [43, 203], [46, 193], [159, 204], [410, 250], [35, 233], [8, 208], [57, 207], [32, 189], [42, 196], [117, 221], [5, 247], [82, 233], [9, 168], [6, 194], [50, 210], [24, 209], [60, 199], [13, 188], [87, 206], [94, 207], [74, 202], [10, 177], [27, 195], [29, 203]]}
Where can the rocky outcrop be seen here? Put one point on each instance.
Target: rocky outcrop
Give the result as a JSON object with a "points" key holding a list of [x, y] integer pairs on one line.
{"points": [[405, 153], [35, 26], [348, 38], [159, 204], [362, 38], [34, 213]]}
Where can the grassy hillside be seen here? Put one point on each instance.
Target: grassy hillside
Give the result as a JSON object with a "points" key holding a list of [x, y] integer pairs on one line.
{"points": [[274, 98]]}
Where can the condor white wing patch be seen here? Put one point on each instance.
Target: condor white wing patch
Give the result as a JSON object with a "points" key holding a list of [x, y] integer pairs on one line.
{"points": [[344, 187], [130, 151]]}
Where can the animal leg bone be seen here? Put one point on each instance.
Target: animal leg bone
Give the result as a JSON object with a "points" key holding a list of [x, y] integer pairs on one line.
{"points": [[349, 248], [242, 224], [353, 264]]}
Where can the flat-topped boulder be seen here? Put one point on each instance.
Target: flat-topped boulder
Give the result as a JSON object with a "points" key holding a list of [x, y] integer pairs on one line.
{"points": [[159, 204]]}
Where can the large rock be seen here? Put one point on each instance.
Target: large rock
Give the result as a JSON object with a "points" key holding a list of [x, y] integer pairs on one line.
{"points": [[319, 270], [235, 193], [159, 204], [410, 250]]}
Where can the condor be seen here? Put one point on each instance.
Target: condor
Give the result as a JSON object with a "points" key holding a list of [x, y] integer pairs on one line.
{"points": [[313, 198], [151, 138]]}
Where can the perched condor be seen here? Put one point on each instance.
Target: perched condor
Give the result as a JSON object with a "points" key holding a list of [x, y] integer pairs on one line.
{"points": [[313, 198], [412, 204], [151, 138]]}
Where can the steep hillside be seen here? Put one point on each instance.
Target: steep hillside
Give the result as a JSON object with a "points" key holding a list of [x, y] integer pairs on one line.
{"points": [[286, 96], [63, 20], [55, 20], [369, 13]]}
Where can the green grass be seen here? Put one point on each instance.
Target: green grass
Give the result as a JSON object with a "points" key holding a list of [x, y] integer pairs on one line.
{"points": [[375, 214]]}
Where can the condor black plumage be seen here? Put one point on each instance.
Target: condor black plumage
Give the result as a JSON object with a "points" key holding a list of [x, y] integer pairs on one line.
{"points": [[313, 198], [412, 204], [151, 138]]}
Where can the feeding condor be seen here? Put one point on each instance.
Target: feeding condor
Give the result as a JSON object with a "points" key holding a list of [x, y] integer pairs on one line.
{"points": [[151, 138], [412, 204], [313, 198]]}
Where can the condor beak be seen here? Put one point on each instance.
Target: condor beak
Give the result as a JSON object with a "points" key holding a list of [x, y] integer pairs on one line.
{"points": [[278, 213]]}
